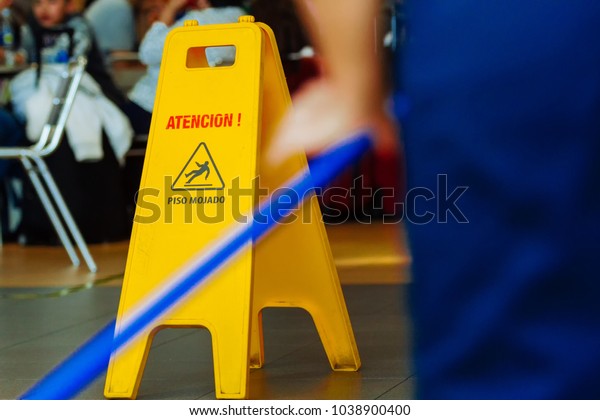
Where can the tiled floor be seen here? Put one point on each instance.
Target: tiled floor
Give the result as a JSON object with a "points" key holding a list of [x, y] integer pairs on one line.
{"points": [[36, 334]]}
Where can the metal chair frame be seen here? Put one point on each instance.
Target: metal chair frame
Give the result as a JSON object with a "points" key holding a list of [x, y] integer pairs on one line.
{"points": [[32, 159]]}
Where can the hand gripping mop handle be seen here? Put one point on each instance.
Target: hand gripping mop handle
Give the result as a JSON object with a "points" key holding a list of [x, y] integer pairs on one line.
{"points": [[83, 366]]}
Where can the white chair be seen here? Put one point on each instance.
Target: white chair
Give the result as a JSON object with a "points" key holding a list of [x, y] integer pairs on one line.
{"points": [[32, 158]]}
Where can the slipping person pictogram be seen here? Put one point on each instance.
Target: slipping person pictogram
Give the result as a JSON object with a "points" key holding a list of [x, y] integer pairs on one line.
{"points": [[197, 172], [200, 172]]}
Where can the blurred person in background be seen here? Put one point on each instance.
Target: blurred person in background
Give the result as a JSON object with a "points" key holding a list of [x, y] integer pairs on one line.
{"points": [[86, 166], [54, 34]]}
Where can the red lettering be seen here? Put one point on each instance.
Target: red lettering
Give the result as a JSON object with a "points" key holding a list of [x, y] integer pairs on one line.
{"points": [[204, 120], [195, 121], [171, 123], [218, 120]]}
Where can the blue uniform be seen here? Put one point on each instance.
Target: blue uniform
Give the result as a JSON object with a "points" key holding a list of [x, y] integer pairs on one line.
{"points": [[504, 99]]}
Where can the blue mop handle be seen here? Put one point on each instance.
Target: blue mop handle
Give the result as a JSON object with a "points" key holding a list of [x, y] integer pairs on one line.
{"points": [[91, 359]]}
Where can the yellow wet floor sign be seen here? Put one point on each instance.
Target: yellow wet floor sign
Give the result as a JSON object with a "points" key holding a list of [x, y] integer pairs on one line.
{"points": [[201, 176]]}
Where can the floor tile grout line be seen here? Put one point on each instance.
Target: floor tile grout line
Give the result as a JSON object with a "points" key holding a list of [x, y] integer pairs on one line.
{"points": [[395, 386], [205, 394], [56, 331], [183, 335]]}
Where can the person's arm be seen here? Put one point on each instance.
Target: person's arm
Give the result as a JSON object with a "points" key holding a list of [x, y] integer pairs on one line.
{"points": [[349, 95], [170, 10], [151, 47], [344, 35]]}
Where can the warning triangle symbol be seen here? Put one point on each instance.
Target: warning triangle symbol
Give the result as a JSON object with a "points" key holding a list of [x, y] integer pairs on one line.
{"points": [[199, 173]]}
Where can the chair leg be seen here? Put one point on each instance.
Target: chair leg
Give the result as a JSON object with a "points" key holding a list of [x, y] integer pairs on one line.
{"points": [[58, 226], [66, 214]]}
